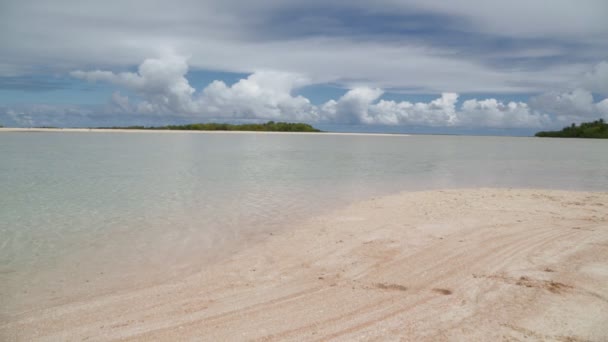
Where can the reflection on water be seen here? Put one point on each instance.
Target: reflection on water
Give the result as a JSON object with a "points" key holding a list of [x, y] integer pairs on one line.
{"points": [[104, 209]]}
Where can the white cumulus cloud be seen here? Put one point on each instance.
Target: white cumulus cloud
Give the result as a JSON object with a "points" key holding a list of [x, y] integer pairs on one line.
{"points": [[439, 112], [572, 106], [162, 85], [496, 114], [361, 106], [353, 107], [162, 88], [160, 82], [265, 94]]}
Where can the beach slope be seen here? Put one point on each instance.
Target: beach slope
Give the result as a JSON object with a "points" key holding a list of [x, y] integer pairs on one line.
{"points": [[470, 265]]}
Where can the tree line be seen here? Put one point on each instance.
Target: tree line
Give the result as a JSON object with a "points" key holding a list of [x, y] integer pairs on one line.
{"points": [[269, 126], [597, 129]]}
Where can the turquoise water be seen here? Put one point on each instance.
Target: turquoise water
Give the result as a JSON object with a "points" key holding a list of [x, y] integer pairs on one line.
{"points": [[106, 210]]}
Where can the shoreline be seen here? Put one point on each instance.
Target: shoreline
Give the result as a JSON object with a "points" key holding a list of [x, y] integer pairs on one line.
{"points": [[456, 264], [107, 130]]}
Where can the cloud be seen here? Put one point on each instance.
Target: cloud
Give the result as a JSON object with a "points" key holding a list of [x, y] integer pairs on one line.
{"points": [[44, 115], [359, 106], [602, 108], [121, 103], [525, 18], [265, 95], [163, 88], [496, 114], [353, 107], [161, 82], [596, 80], [439, 112], [572, 106], [411, 45]]}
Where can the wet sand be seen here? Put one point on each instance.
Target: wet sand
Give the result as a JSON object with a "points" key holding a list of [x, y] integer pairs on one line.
{"points": [[470, 265]]}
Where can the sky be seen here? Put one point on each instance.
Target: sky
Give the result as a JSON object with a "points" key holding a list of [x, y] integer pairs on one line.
{"points": [[459, 66]]}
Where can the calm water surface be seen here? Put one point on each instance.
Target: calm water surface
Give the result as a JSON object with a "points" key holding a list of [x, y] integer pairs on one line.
{"points": [[86, 212]]}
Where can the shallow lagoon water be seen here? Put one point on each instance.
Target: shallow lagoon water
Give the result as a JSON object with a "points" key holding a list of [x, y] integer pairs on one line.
{"points": [[91, 212]]}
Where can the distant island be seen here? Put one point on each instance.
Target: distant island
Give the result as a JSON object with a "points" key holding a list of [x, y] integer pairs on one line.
{"points": [[596, 130], [269, 126]]}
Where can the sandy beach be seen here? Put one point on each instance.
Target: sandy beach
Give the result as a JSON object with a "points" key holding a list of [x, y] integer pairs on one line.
{"points": [[176, 131], [452, 265]]}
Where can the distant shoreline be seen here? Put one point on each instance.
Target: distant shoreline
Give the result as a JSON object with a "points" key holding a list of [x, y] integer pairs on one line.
{"points": [[119, 130], [597, 129]]}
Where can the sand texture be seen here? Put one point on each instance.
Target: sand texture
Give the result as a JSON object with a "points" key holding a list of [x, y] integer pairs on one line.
{"points": [[454, 265]]}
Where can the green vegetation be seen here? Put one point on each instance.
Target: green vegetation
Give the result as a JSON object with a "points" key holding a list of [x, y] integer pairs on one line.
{"points": [[269, 126], [597, 129]]}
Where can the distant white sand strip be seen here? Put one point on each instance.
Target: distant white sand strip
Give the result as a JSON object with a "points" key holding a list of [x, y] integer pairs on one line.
{"points": [[104, 130]]}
